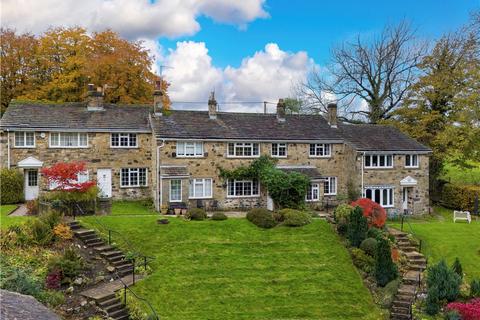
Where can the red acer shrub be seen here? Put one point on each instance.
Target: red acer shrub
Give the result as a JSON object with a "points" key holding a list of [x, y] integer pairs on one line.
{"points": [[468, 311], [64, 176], [374, 212], [53, 279]]}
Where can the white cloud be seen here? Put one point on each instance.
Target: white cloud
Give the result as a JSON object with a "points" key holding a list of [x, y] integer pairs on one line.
{"points": [[268, 75], [133, 19]]}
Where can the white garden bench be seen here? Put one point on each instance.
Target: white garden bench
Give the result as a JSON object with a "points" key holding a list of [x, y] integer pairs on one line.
{"points": [[462, 215]]}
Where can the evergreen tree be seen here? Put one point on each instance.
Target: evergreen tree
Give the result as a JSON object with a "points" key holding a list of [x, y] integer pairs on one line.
{"points": [[443, 284], [357, 227], [457, 267], [385, 268]]}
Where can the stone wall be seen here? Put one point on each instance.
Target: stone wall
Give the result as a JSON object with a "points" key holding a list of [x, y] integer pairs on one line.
{"points": [[99, 154]]}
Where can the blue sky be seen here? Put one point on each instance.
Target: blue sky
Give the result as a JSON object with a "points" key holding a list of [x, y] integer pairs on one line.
{"points": [[245, 50], [315, 26]]}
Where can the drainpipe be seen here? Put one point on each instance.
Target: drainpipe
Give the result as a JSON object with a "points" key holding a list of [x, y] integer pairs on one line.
{"points": [[157, 172], [8, 148], [363, 166]]}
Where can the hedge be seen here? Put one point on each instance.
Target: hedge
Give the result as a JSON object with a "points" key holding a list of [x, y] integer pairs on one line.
{"points": [[11, 186], [460, 197]]}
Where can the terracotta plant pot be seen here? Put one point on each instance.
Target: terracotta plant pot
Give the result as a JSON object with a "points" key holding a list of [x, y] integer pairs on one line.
{"points": [[184, 211], [177, 211]]}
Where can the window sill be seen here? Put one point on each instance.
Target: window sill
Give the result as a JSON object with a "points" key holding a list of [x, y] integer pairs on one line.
{"points": [[50, 147], [189, 157], [130, 187], [29, 147], [279, 157], [112, 147], [319, 157], [417, 167], [199, 198], [378, 168], [243, 157], [237, 197], [174, 201], [329, 194], [316, 200]]}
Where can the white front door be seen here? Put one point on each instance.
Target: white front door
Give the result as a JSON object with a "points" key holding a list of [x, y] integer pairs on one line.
{"points": [[31, 184], [104, 182]]}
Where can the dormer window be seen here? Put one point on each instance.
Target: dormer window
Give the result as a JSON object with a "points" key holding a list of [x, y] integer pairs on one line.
{"points": [[123, 140], [24, 139], [411, 161]]}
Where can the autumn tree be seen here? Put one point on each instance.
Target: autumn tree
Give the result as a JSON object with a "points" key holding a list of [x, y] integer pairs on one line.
{"points": [[442, 109], [17, 57], [377, 72], [58, 65]]}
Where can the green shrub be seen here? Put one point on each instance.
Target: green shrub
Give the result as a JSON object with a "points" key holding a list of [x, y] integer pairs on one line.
{"points": [[197, 214], [219, 216], [374, 233], [362, 261], [70, 264], [452, 315], [442, 284], [457, 267], [385, 268], [369, 246], [342, 228], [20, 281], [357, 227], [458, 196], [295, 218], [51, 218], [342, 213], [388, 293], [52, 298], [11, 186], [40, 233], [475, 288], [261, 218]]}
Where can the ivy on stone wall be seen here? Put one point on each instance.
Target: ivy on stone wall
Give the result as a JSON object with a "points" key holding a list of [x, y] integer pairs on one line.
{"points": [[287, 189]]}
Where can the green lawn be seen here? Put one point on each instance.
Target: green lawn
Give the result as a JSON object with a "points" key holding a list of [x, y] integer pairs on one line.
{"points": [[5, 219], [131, 208], [463, 176], [444, 239], [233, 270]]}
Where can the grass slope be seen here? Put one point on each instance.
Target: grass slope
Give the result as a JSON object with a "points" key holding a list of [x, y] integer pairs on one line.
{"points": [[233, 270], [120, 208], [444, 239]]}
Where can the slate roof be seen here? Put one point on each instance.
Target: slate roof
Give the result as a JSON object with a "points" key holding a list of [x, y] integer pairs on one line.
{"points": [[368, 137], [311, 172], [75, 116], [250, 126], [174, 171]]}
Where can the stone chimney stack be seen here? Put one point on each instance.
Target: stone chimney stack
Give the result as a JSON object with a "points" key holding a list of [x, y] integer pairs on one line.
{"points": [[95, 98], [332, 115], [281, 110], [212, 106], [157, 98]]}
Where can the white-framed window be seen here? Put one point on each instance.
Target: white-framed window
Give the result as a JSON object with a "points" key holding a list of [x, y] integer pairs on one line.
{"points": [[123, 140], [24, 139], [81, 178], [381, 195], [411, 161], [243, 149], [378, 161], [133, 177], [189, 149], [320, 150], [175, 190], [279, 150], [330, 186], [313, 192], [243, 188], [200, 188], [68, 140]]}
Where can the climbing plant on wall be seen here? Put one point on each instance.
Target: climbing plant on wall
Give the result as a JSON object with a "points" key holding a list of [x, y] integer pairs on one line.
{"points": [[287, 189]]}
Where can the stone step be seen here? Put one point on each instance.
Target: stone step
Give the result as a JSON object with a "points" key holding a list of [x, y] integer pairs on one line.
{"points": [[401, 304], [407, 248], [105, 297], [88, 237], [124, 266], [405, 297], [117, 313], [108, 302], [399, 316], [107, 254], [104, 248], [406, 289], [95, 243], [92, 239], [75, 226], [117, 258], [119, 262], [114, 307], [412, 276], [83, 232], [400, 310], [417, 267], [126, 272], [414, 255], [125, 317]]}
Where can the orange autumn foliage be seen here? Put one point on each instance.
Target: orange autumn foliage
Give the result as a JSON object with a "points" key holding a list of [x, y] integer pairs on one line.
{"points": [[375, 213]]}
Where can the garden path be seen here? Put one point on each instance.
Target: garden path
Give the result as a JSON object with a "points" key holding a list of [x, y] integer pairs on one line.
{"points": [[20, 211]]}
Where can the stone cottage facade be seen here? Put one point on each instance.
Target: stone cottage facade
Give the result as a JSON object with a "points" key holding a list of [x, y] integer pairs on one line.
{"points": [[136, 152]]}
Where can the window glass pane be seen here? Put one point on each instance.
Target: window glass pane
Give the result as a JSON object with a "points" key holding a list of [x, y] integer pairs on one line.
{"points": [[124, 177], [312, 149], [274, 149], [238, 188], [247, 188], [231, 149], [382, 161], [376, 197], [29, 139], [19, 142], [198, 188], [407, 160], [190, 189], [384, 197], [133, 177], [189, 149], [368, 193], [175, 190], [255, 149], [255, 190], [83, 139], [199, 149], [231, 187], [114, 138], [133, 140], [142, 176], [82, 177], [180, 148], [390, 199], [374, 161], [328, 148]]}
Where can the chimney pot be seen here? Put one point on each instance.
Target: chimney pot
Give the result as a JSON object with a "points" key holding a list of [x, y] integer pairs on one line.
{"points": [[157, 98], [281, 110], [332, 115], [212, 106]]}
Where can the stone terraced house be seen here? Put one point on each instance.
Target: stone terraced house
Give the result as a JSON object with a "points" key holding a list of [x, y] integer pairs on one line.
{"points": [[136, 152]]}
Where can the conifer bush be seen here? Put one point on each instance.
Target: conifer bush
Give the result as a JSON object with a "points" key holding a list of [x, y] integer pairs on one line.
{"points": [[457, 267], [443, 284], [357, 227], [11, 186], [475, 288], [385, 268], [369, 246]]}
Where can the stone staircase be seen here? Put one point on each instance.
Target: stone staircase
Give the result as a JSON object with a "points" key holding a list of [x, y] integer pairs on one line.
{"points": [[410, 285], [106, 299]]}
